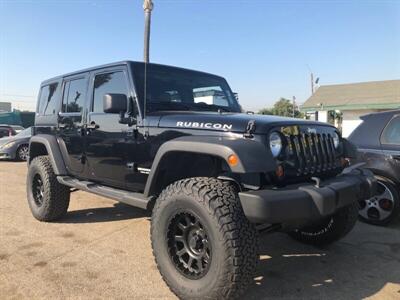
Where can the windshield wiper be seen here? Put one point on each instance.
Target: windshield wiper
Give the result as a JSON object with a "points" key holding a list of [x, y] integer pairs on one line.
{"points": [[169, 106]]}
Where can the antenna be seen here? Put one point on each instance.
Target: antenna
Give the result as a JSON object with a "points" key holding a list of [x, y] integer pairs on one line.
{"points": [[147, 7]]}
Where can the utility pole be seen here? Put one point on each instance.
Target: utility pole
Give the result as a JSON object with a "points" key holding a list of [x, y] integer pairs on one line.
{"points": [[148, 7], [312, 83]]}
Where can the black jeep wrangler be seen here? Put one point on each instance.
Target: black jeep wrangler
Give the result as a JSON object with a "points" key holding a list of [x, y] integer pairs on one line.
{"points": [[174, 141]]}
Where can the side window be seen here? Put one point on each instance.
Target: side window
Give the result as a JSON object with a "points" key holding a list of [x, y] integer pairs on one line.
{"points": [[108, 83], [74, 95], [48, 99], [391, 134]]}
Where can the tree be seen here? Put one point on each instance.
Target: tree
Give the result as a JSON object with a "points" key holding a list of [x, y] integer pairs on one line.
{"points": [[283, 107]]}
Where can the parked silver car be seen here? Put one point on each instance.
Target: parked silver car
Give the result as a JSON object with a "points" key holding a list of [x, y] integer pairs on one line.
{"points": [[17, 146]]}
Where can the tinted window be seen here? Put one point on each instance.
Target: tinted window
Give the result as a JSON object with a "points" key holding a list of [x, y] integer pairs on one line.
{"points": [[74, 95], [169, 88], [48, 99], [391, 134], [108, 83]]}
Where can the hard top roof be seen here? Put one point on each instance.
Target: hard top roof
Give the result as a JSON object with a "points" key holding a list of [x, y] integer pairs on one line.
{"points": [[382, 113], [115, 64]]}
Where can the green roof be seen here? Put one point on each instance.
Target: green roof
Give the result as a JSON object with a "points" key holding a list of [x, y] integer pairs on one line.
{"points": [[363, 95]]}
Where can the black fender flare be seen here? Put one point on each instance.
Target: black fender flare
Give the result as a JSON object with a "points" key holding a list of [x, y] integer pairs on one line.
{"points": [[349, 149], [253, 156], [53, 150]]}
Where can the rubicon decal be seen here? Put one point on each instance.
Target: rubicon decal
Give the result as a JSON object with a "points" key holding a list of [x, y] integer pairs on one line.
{"points": [[204, 125]]}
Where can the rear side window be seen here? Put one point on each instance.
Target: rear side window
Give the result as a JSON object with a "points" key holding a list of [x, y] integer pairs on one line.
{"points": [[48, 99], [391, 134], [108, 83], [74, 95]]}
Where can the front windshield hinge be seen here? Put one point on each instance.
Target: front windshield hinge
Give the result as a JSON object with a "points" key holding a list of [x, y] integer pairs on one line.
{"points": [[250, 128]]}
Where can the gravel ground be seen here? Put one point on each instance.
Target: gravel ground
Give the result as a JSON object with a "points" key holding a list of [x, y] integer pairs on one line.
{"points": [[101, 250]]}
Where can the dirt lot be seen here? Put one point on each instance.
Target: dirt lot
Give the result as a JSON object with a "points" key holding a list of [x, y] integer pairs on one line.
{"points": [[102, 250]]}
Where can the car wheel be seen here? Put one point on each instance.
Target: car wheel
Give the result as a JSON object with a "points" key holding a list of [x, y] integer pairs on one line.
{"points": [[204, 246], [384, 207], [47, 198], [23, 152], [330, 229]]}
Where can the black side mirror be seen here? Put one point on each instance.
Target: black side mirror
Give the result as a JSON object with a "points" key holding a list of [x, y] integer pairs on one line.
{"points": [[115, 103]]}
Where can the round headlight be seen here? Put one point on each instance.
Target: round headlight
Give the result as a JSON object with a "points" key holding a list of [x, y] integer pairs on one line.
{"points": [[275, 143], [336, 140]]}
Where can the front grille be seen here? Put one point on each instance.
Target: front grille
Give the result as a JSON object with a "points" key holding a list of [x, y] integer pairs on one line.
{"points": [[312, 153]]}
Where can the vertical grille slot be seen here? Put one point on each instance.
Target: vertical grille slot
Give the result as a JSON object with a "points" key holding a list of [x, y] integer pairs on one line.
{"points": [[312, 152]]}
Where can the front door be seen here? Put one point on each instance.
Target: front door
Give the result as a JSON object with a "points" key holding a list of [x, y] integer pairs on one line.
{"points": [[107, 141], [390, 140], [70, 122]]}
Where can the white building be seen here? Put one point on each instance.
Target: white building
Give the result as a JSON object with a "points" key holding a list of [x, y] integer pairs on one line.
{"points": [[343, 104]]}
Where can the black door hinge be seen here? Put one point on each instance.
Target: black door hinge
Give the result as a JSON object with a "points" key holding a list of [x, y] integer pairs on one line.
{"points": [[250, 128]]}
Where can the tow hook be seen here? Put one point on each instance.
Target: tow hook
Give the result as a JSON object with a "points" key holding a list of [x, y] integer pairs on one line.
{"points": [[317, 181]]}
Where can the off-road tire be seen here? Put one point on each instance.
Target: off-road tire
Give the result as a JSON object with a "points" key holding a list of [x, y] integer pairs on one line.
{"points": [[233, 238], [330, 229], [55, 196], [20, 155], [395, 213]]}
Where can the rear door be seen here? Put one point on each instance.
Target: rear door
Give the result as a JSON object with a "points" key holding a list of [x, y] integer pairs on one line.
{"points": [[70, 121], [107, 144]]}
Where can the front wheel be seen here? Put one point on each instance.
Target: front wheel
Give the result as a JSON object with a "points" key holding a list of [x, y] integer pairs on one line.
{"points": [[330, 229], [204, 246], [23, 152]]}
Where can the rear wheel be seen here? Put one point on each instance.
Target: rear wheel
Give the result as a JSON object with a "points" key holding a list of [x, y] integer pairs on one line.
{"points": [[330, 229], [204, 246], [23, 152], [384, 207], [47, 198]]}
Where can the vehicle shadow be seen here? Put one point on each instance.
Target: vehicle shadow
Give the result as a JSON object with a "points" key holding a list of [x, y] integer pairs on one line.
{"points": [[117, 212], [354, 268]]}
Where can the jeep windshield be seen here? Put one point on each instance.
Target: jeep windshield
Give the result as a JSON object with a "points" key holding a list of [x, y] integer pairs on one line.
{"points": [[174, 89]]}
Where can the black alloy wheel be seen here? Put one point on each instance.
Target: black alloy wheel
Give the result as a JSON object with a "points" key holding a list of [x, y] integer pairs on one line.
{"points": [[188, 245], [38, 190]]}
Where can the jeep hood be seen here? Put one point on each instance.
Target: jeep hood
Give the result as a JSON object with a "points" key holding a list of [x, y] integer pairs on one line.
{"points": [[233, 122]]}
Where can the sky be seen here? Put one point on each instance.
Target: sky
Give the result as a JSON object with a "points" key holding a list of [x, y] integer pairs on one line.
{"points": [[265, 49]]}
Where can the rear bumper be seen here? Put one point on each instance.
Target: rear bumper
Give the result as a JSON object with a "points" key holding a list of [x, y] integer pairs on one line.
{"points": [[307, 202]]}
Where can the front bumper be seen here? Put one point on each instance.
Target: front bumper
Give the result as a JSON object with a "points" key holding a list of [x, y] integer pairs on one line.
{"points": [[6, 154], [307, 202]]}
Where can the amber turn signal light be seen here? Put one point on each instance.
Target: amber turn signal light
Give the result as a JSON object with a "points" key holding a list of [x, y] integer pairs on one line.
{"points": [[233, 160], [345, 162], [279, 171]]}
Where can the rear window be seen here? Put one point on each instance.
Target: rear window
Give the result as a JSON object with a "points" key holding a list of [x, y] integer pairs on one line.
{"points": [[391, 134], [48, 99]]}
